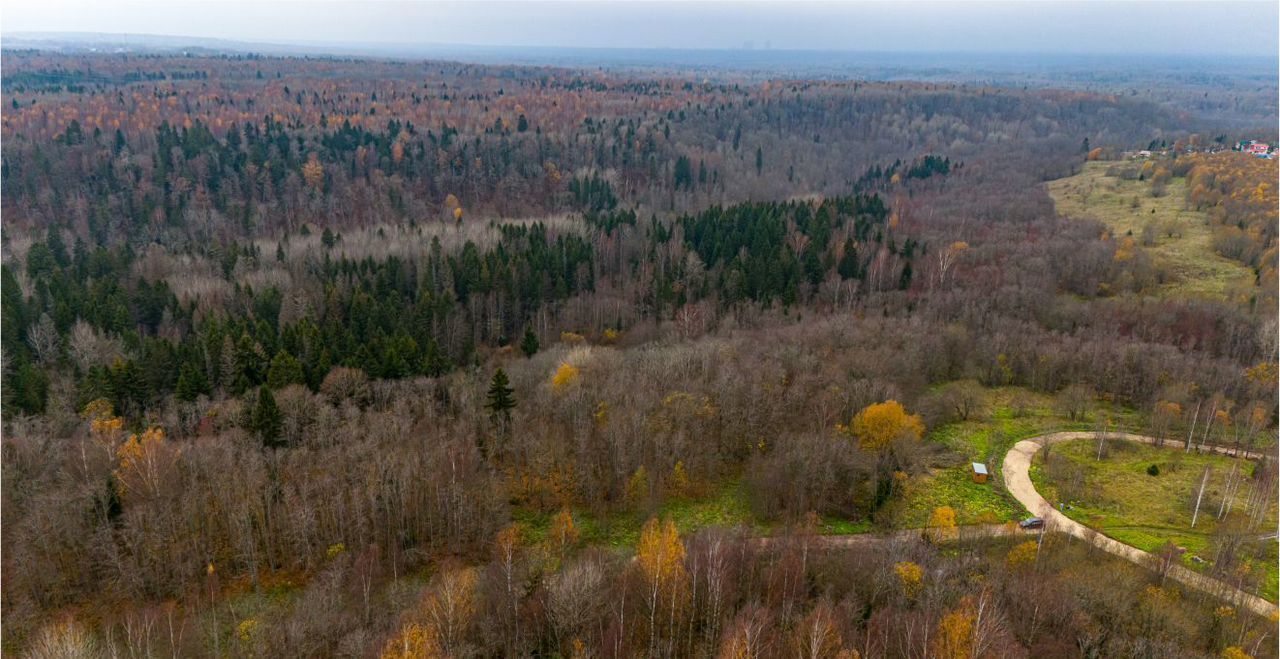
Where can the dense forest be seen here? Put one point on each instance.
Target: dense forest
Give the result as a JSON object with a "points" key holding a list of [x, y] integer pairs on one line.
{"points": [[340, 357]]}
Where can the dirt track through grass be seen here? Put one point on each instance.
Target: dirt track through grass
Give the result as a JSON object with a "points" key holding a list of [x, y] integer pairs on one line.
{"points": [[1017, 479]]}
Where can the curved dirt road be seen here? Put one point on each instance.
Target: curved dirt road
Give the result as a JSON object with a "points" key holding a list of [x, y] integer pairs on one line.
{"points": [[1017, 480]]}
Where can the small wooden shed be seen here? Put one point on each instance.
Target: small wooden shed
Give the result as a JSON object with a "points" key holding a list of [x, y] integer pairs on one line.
{"points": [[980, 472]]}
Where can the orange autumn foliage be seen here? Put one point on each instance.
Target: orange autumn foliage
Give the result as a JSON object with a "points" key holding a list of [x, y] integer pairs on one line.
{"points": [[954, 638], [880, 424], [313, 172]]}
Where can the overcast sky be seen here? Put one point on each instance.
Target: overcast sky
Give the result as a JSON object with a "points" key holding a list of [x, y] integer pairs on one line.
{"points": [[1041, 26]]}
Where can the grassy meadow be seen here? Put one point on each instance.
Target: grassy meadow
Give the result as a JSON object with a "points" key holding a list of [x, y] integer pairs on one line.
{"points": [[1121, 497], [1006, 416], [1182, 237]]}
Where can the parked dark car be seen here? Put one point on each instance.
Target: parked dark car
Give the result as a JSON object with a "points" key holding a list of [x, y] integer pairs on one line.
{"points": [[1031, 523]]}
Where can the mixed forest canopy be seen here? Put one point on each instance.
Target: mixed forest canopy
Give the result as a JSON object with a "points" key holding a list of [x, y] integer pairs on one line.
{"points": [[419, 346]]}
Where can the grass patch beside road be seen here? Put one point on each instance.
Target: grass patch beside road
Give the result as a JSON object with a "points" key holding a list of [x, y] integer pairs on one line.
{"points": [[1006, 416], [974, 503], [1117, 496]]}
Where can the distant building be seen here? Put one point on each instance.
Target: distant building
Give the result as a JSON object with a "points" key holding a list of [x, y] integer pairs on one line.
{"points": [[1256, 148], [979, 472]]}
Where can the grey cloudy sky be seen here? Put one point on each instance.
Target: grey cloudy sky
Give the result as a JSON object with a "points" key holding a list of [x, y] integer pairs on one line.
{"points": [[1042, 26]]}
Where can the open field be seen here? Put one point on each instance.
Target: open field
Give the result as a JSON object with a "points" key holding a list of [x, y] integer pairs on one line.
{"points": [[1182, 237], [1007, 415], [1117, 495]]}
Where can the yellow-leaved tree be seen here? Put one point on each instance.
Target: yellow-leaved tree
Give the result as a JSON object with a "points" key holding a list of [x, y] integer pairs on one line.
{"points": [[954, 639], [910, 577], [97, 409], [1022, 555], [439, 625], [451, 206], [883, 429], [414, 641], [313, 172], [878, 425], [660, 557], [105, 428], [146, 461], [565, 376], [450, 607], [942, 525]]}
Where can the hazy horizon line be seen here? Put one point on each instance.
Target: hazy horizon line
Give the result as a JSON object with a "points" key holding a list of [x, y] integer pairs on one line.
{"points": [[71, 36]]}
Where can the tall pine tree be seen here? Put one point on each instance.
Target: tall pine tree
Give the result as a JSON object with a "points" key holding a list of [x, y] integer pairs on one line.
{"points": [[191, 382], [529, 344], [266, 420], [501, 397]]}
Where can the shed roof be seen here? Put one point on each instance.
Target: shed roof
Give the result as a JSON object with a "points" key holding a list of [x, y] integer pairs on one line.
{"points": [[979, 468]]}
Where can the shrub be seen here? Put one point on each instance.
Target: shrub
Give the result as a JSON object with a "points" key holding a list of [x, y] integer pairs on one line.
{"points": [[1153, 470]]}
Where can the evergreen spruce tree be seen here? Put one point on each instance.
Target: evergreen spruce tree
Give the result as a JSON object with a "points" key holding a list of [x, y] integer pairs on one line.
{"points": [[58, 248], [230, 375], [529, 344], [191, 382], [501, 398], [128, 387], [285, 370], [433, 362], [30, 388], [108, 502], [265, 420], [683, 177]]}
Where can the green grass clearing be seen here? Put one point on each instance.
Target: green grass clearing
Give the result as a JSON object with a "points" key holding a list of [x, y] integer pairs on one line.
{"points": [[1118, 497], [726, 506], [1127, 207], [1007, 416], [974, 503]]}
